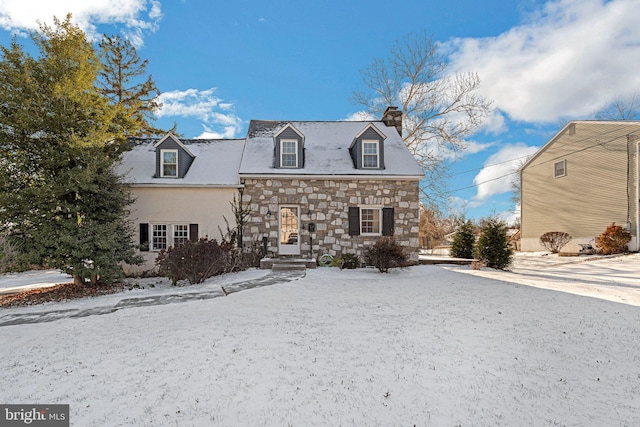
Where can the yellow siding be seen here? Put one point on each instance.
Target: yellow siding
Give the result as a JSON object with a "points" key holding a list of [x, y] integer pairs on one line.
{"points": [[598, 189]]}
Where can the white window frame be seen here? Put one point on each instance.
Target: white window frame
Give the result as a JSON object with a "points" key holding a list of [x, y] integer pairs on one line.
{"points": [[377, 145], [372, 221], [295, 153], [155, 233], [162, 163], [180, 234], [564, 169], [170, 235]]}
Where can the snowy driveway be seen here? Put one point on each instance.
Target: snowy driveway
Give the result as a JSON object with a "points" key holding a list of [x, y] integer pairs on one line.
{"points": [[613, 279]]}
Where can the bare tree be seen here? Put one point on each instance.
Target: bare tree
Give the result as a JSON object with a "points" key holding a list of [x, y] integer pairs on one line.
{"points": [[621, 109], [440, 109]]}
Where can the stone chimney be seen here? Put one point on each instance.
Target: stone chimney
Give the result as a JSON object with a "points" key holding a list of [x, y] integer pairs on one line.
{"points": [[393, 117]]}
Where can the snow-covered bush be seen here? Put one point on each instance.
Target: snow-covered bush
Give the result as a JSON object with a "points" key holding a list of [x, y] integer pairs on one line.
{"points": [[493, 247], [553, 241], [613, 240], [385, 254]]}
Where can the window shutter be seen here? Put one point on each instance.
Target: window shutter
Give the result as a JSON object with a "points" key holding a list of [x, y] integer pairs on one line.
{"points": [[193, 232], [144, 237], [354, 221], [387, 222]]}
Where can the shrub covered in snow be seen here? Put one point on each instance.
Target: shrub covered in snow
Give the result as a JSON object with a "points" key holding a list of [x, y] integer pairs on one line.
{"points": [[613, 240], [493, 247], [553, 241], [463, 241], [385, 254]]}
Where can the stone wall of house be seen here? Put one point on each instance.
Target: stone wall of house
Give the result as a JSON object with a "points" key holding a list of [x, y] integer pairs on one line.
{"points": [[328, 203]]}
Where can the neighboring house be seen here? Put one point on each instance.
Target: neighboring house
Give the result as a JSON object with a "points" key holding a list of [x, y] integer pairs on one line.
{"points": [[183, 190], [332, 188], [582, 180], [314, 188]]}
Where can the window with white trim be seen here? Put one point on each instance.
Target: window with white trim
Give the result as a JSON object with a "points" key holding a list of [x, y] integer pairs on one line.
{"points": [[370, 154], [560, 169], [169, 163], [370, 221], [159, 237], [289, 153], [180, 234]]}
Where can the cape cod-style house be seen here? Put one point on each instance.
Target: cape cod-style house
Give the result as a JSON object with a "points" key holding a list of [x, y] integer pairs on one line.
{"points": [[313, 187]]}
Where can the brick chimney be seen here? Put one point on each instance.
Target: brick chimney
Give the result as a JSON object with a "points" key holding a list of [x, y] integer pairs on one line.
{"points": [[393, 117]]}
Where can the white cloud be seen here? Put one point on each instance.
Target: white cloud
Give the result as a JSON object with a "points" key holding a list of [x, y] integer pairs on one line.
{"points": [[137, 16], [569, 59], [360, 116], [203, 105], [498, 173]]}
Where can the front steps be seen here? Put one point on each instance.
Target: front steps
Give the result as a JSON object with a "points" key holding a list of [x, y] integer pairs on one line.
{"points": [[284, 264]]}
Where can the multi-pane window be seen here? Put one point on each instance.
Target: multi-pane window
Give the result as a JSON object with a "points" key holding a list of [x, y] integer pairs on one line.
{"points": [[289, 153], [159, 237], [559, 169], [370, 220], [169, 166], [180, 234], [370, 156]]}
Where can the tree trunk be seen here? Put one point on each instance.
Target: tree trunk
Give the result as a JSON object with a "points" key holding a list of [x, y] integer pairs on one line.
{"points": [[78, 280]]}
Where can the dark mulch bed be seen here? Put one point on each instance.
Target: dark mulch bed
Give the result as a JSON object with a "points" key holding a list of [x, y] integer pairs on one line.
{"points": [[58, 293]]}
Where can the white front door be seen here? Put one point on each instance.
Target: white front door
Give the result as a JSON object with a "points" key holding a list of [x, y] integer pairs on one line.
{"points": [[289, 235]]}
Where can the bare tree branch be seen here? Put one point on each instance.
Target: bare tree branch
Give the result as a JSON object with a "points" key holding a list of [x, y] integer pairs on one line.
{"points": [[440, 109]]}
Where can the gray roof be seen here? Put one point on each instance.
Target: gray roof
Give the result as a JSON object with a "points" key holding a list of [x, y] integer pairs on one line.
{"points": [[326, 150], [216, 163]]}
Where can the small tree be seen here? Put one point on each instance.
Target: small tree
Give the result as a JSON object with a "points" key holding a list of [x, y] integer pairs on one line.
{"points": [[553, 241], [493, 247], [463, 241], [613, 240], [385, 254]]}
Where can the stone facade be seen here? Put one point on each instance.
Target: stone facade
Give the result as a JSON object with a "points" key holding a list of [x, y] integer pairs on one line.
{"points": [[328, 201]]}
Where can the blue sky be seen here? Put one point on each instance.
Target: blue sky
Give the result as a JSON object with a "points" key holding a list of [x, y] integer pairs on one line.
{"points": [[220, 64]]}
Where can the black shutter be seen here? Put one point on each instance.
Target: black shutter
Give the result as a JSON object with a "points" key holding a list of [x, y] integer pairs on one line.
{"points": [[144, 237], [354, 221], [193, 232], [276, 154], [387, 222]]}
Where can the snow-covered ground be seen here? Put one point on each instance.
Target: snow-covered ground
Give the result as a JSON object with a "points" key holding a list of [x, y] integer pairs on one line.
{"points": [[427, 345]]}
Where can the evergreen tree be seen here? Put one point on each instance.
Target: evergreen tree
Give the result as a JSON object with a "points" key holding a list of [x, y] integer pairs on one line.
{"points": [[463, 240], [124, 81], [63, 204], [493, 245]]}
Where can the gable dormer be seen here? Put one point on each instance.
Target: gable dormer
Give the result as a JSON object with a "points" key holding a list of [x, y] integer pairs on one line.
{"points": [[367, 149], [173, 159], [288, 148]]}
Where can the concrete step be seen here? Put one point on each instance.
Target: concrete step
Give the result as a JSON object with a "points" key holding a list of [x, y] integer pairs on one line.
{"points": [[271, 263], [288, 267]]}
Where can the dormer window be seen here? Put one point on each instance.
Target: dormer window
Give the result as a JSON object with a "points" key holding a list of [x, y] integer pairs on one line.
{"points": [[370, 154], [169, 163], [367, 149], [289, 148], [289, 153]]}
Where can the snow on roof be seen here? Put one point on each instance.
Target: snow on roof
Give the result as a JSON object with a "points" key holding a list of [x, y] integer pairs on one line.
{"points": [[216, 163], [326, 149]]}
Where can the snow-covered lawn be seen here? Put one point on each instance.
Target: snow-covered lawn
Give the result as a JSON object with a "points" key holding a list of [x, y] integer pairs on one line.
{"points": [[421, 346]]}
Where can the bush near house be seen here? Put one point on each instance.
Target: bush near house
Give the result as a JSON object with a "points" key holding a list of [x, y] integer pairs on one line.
{"points": [[613, 240], [553, 241], [493, 247], [196, 261], [385, 254], [463, 241]]}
